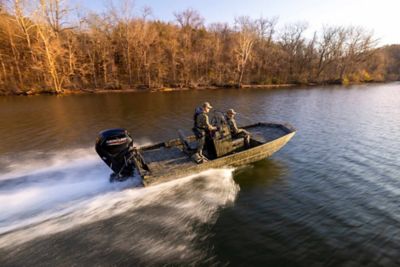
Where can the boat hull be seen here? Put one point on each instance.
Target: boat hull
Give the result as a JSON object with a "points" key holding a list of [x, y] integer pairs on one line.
{"points": [[236, 159]]}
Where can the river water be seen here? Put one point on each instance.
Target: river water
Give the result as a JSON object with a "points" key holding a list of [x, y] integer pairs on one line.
{"points": [[330, 197]]}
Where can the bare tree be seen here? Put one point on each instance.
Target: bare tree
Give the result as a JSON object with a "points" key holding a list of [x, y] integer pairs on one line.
{"points": [[55, 13], [51, 46], [122, 14], [15, 51], [266, 28], [293, 43], [189, 18], [358, 44], [189, 22], [329, 48], [247, 34]]}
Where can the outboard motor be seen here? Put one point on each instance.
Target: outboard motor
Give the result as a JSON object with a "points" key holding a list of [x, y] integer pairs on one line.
{"points": [[115, 148]]}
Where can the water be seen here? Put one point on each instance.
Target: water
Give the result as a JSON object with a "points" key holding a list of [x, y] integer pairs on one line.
{"points": [[330, 197]]}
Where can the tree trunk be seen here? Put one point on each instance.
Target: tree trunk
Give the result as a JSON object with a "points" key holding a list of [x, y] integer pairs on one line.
{"points": [[57, 82]]}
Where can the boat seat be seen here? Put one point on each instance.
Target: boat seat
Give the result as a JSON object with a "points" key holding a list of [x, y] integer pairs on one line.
{"points": [[237, 142]]}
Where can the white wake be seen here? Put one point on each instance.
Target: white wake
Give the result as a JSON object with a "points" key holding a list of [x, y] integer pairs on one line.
{"points": [[64, 192]]}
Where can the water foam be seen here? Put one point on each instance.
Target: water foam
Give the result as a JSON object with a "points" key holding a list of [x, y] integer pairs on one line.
{"points": [[59, 195]]}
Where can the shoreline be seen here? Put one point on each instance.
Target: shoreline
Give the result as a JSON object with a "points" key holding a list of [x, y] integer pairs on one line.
{"points": [[138, 90], [172, 89]]}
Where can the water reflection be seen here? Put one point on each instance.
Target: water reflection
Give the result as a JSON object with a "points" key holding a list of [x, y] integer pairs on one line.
{"points": [[262, 174]]}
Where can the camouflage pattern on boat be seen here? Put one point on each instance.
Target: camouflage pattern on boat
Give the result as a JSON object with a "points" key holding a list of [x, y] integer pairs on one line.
{"points": [[171, 160]]}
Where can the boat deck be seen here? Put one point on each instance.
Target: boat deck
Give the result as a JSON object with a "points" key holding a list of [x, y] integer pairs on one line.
{"points": [[164, 159], [263, 134]]}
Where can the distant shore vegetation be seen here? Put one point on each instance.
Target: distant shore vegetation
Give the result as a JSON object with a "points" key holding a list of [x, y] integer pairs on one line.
{"points": [[46, 47]]}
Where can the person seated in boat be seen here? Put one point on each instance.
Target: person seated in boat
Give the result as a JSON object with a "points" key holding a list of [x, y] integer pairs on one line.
{"points": [[235, 131], [201, 129]]}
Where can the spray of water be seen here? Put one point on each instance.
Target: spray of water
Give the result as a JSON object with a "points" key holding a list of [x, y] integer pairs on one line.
{"points": [[57, 195]]}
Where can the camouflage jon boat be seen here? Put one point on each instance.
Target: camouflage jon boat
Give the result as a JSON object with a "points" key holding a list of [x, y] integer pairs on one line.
{"points": [[173, 159]]}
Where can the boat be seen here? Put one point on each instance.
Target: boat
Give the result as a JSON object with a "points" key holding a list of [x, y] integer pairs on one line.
{"points": [[173, 159]]}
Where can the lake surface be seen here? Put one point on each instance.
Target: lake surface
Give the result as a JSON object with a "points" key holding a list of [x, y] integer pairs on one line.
{"points": [[330, 197]]}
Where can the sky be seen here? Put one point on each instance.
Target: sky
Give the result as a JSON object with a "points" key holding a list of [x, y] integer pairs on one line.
{"points": [[382, 17]]}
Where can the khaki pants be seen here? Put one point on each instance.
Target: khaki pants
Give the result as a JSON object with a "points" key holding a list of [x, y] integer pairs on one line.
{"points": [[200, 145], [243, 134]]}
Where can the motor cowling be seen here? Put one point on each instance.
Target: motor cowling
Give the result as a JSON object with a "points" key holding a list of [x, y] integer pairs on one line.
{"points": [[114, 147]]}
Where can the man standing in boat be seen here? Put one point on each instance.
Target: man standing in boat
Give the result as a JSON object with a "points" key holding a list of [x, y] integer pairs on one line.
{"points": [[235, 131], [201, 129]]}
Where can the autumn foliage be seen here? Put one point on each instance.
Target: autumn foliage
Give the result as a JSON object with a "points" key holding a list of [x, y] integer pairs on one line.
{"points": [[43, 49]]}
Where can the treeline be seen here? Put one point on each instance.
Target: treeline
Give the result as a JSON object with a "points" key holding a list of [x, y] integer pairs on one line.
{"points": [[43, 50]]}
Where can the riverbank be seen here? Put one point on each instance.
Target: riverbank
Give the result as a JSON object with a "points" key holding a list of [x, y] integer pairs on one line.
{"points": [[171, 89], [137, 89]]}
